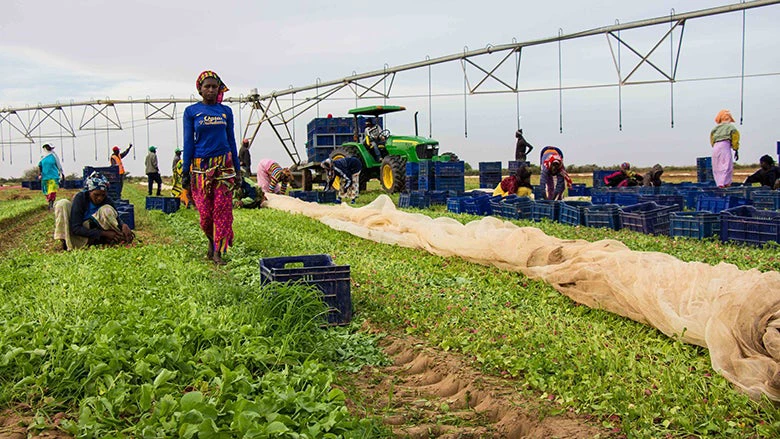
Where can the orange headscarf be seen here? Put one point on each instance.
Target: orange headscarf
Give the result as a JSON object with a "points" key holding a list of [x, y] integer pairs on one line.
{"points": [[724, 116]]}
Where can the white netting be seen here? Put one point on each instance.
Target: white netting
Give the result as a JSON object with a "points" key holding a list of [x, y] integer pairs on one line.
{"points": [[733, 313]]}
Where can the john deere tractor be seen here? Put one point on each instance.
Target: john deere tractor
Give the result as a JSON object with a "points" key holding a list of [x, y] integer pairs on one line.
{"points": [[395, 151]]}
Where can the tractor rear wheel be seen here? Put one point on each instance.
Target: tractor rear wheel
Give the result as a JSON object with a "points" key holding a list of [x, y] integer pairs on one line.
{"points": [[351, 151], [392, 173]]}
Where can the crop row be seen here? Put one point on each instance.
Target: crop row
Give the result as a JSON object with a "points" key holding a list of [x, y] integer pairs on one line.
{"points": [[12, 209]]}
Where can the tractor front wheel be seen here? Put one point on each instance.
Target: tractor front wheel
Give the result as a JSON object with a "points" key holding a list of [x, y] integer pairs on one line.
{"points": [[392, 174]]}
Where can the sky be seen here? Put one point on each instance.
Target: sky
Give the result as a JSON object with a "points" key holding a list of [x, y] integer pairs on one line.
{"points": [[91, 49]]}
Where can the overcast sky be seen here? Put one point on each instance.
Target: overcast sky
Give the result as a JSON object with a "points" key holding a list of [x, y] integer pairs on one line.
{"points": [[76, 50]]}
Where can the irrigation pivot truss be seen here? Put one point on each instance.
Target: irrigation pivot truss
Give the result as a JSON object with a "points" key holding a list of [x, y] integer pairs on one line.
{"points": [[279, 109]]}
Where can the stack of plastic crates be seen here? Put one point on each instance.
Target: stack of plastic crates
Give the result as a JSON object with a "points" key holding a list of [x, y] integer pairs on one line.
{"points": [[320, 271], [489, 174], [697, 225], [603, 216], [449, 176], [546, 209], [425, 177], [749, 225], [478, 205], [647, 217], [715, 203], [601, 196], [112, 175], [769, 200], [704, 169], [412, 174], [515, 207], [573, 212], [165, 204], [439, 196]]}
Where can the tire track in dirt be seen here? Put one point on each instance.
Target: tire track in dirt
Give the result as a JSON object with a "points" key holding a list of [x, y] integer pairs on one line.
{"points": [[429, 393]]}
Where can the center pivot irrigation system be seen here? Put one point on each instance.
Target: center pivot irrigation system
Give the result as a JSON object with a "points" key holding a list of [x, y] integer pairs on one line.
{"points": [[279, 109]]}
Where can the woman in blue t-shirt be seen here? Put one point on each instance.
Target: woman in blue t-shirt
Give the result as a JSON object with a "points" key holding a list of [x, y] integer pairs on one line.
{"points": [[210, 154]]}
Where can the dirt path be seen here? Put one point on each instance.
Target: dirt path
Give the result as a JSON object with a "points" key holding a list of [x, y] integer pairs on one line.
{"points": [[429, 393]]}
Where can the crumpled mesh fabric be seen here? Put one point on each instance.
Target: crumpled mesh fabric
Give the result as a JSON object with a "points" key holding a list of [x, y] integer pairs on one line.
{"points": [[734, 313]]}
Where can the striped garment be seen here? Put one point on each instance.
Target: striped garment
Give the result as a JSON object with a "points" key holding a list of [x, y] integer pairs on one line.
{"points": [[275, 176]]}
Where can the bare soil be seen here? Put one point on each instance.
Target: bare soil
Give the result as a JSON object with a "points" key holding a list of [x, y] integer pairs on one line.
{"points": [[14, 424], [430, 393]]}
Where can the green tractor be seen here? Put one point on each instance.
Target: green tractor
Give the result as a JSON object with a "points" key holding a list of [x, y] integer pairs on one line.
{"points": [[395, 150]]}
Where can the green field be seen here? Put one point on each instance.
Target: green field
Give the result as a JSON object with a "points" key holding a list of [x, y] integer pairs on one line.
{"points": [[151, 340]]}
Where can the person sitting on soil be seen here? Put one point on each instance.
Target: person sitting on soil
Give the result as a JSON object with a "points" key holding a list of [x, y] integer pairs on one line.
{"points": [[272, 178], [552, 166], [91, 218], [624, 177], [373, 136], [348, 170], [518, 183], [767, 175], [247, 194], [653, 176]]}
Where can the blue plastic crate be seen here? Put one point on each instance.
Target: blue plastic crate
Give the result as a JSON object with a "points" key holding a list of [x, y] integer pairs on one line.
{"points": [[412, 169], [457, 184], [489, 182], [573, 212], [495, 205], [697, 225], [766, 199], [666, 190], [320, 271], [455, 204], [625, 199], [664, 200], [603, 216], [579, 190], [35, 185], [420, 199], [449, 169], [601, 196], [26, 184], [598, 178], [546, 209], [479, 205], [426, 168], [404, 200], [110, 172], [538, 192], [647, 217], [126, 214], [489, 167], [749, 225], [716, 203], [439, 196], [649, 190], [517, 208], [166, 204]]}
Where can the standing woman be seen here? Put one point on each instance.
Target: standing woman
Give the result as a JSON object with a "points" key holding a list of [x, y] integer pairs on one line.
{"points": [[50, 171], [723, 138], [210, 155]]}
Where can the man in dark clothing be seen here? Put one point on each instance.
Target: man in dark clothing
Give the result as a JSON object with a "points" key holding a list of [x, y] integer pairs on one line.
{"points": [[768, 175], [348, 170], [153, 171], [653, 176], [523, 148], [245, 159]]}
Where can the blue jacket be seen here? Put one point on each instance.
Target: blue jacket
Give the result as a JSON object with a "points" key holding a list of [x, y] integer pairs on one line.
{"points": [[208, 132]]}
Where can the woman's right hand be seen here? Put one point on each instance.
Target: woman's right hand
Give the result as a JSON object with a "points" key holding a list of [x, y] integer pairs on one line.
{"points": [[110, 235]]}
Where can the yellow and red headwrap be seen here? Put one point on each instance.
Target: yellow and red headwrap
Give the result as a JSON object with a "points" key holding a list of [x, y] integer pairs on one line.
{"points": [[211, 74]]}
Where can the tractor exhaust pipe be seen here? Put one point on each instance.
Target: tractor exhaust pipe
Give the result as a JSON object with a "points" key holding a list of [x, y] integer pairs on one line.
{"points": [[416, 134]]}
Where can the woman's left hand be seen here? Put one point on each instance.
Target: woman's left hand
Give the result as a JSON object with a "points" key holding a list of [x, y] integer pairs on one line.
{"points": [[128, 234]]}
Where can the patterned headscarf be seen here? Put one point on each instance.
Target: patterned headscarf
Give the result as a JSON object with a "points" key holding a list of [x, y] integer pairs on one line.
{"points": [[96, 180], [555, 158], [724, 116], [210, 74], [625, 166]]}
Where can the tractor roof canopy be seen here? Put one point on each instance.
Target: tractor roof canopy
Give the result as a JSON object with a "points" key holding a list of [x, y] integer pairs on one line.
{"points": [[377, 110]]}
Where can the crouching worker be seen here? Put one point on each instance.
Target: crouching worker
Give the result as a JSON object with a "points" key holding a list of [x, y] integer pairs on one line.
{"points": [[348, 170], [247, 194], [624, 177], [518, 183], [653, 176], [91, 218]]}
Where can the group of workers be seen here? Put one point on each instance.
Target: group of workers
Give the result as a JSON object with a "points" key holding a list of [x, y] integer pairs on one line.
{"points": [[205, 175]]}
